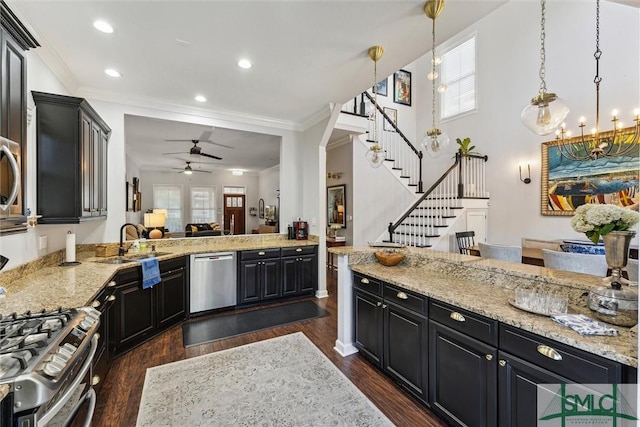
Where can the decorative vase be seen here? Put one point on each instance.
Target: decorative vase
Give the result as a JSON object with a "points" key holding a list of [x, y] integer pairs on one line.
{"points": [[616, 252]]}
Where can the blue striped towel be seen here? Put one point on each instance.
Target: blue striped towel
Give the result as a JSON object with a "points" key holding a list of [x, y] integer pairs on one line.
{"points": [[150, 272]]}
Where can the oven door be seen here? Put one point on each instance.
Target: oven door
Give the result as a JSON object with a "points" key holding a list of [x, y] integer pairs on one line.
{"points": [[76, 405]]}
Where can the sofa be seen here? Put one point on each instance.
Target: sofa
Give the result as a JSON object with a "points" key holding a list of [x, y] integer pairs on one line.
{"points": [[202, 230]]}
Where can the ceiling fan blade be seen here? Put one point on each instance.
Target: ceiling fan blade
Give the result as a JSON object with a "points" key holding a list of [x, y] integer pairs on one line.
{"points": [[216, 143], [195, 170], [210, 156], [178, 140], [181, 152], [205, 135]]}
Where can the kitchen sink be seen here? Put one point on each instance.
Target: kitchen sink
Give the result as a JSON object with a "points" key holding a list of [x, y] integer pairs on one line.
{"points": [[128, 259]]}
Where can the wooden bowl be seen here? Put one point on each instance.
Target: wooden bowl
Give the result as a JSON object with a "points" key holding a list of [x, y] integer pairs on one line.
{"points": [[389, 259]]}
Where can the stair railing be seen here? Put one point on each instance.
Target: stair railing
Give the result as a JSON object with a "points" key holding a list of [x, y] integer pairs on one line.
{"points": [[429, 213]]}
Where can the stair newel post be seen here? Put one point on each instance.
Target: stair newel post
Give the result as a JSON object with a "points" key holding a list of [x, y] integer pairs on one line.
{"points": [[390, 228], [460, 182], [362, 105], [420, 171]]}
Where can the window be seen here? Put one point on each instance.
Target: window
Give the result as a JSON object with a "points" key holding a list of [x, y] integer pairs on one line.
{"points": [[169, 197], [233, 190], [203, 205], [458, 72]]}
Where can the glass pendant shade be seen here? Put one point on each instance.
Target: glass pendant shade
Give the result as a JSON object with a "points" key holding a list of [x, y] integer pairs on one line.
{"points": [[544, 114], [435, 142], [375, 156]]}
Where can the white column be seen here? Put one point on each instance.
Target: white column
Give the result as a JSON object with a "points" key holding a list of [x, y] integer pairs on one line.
{"points": [[344, 343]]}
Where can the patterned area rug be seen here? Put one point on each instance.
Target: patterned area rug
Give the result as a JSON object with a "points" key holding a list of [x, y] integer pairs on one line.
{"points": [[284, 381]]}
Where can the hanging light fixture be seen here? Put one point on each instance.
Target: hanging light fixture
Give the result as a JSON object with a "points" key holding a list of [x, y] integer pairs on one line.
{"points": [[375, 155], [435, 140], [615, 143], [546, 111]]}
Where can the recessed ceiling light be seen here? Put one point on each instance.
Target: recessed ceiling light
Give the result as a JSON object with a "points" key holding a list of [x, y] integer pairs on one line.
{"points": [[245, 63], [103, 26], [200, 98], [112, 73]]}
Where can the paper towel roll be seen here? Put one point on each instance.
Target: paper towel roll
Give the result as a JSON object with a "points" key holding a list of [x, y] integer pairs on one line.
{"points": [[71, 248]]}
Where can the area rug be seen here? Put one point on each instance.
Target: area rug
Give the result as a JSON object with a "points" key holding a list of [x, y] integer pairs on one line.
{"points": [[284, 381], [217, 328]]}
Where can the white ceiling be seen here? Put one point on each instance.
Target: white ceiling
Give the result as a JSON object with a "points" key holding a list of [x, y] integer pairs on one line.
{"points": [[306, 55]]}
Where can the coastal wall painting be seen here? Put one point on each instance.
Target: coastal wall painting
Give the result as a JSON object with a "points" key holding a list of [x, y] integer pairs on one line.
{"points": [[568, 183], [337, 205]]}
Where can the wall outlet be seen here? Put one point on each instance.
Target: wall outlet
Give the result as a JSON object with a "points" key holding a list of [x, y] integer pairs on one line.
{"points": [[42, 242]]}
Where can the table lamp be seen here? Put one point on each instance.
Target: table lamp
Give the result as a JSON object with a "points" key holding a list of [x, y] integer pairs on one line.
{"points": [[155, 222]]}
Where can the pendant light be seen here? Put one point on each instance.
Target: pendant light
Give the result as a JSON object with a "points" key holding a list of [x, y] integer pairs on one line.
{"points": [[375, 155], [435, 140], [546, 111]]}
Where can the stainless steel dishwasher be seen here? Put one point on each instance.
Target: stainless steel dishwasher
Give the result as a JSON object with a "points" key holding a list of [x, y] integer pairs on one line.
{"points": [[213, 281]]}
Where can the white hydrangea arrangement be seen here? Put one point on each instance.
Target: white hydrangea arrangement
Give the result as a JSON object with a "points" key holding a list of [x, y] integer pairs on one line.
{"points": [[597, 220]]}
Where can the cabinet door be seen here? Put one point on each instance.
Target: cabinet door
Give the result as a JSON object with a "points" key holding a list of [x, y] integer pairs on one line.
{"points": [[368, 326], [308, 276], [134, 315], [518, 390], [94, 179], [406, 340], [171, 298], [462, 378], [102, 182], [249, 284], [13, 70], [270, 279], [100, 366], [86, 164], [289, 276]]}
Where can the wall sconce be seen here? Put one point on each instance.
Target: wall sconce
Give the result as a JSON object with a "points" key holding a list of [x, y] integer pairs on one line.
{"points": [[526, 180], [334, 175]]}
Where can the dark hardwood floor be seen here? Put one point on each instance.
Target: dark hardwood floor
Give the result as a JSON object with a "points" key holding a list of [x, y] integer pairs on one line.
{"points": [[119, 397]]}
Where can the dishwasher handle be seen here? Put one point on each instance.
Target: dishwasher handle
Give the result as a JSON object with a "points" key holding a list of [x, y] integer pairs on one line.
{"points": [[216, 257]]}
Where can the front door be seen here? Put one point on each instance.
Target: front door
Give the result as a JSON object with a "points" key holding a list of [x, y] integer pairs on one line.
{"points": [[234, 213]]}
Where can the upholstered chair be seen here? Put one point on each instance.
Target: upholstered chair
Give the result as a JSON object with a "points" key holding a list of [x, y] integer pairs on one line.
{"points": [[501, 252]]}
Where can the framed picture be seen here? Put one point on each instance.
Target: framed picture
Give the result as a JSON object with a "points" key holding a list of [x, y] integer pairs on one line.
{"points": [[568, 182], [393, 115], [402, 87], [261, 208], [337, 205], [382, 87]]}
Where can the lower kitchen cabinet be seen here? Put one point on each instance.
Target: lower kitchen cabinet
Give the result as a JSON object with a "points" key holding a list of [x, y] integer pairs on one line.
{"points": [[104, 303], [299, 270], [259, 280], [140, 314], [391, 330], [462, 375]]}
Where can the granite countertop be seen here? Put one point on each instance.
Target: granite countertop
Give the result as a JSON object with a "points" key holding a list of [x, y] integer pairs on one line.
{"points": [[43, 284], [485, 287]]}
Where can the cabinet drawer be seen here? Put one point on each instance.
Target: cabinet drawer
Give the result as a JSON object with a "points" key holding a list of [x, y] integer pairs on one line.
{"points": [[471, 324], [576, 365], [405, 299], [299, 250], [368, 284], [259, 254]]}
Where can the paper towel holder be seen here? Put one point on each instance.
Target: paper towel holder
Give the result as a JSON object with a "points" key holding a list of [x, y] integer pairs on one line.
{"points": [[69, 263]]}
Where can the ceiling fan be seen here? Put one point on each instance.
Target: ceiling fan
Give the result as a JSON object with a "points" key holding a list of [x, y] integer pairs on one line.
{"points": [[188, 170], [196, 149]]}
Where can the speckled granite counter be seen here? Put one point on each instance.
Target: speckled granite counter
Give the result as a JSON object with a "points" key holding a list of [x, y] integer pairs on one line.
{"points": [[485, 286], [42, 284]]}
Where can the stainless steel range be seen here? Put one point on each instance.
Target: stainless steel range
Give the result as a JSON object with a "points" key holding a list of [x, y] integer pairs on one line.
{"points": [[45, 359]]}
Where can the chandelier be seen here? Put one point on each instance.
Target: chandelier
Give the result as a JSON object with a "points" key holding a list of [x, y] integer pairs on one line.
{"points": [[435, 140], [597, 144], [375, 155], [546, 111]]}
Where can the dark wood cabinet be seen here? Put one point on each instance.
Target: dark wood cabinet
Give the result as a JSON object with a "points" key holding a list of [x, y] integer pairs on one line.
{"points": [[71, 147], [299, 270], [391, 330], [15, 40], [462, 374], [104, 303], [140, 314]]}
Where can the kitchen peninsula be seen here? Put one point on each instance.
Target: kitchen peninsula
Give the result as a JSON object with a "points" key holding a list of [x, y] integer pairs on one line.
{"points": [[439, 320]]}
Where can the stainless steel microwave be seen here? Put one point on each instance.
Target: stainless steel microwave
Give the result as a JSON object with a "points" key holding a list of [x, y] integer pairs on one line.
{"points": [[10, 186]]}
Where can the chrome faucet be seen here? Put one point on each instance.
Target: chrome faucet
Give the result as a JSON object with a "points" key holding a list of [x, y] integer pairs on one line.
{"points": [[121, 249]]}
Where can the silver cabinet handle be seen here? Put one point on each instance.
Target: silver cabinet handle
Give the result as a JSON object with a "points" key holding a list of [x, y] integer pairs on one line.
{"points": [[378, 304], [96, 304], [384, 305], [112, 284], [489, 356], [402, 295], [299, 250], [111, 298], [365, 281], [261, 253], [502, 362], [457, 316], [549, 352], [97, 334], [95, 380]]}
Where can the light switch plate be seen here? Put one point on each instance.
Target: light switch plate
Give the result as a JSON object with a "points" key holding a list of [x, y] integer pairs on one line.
{"points": [[42, 242]]}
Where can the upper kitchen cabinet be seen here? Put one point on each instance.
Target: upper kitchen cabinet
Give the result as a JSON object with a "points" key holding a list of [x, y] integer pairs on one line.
{"points": [[15, 40], [71, 151]]}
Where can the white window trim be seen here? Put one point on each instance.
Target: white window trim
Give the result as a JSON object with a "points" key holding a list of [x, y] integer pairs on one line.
{"points": [[441, 50], [213, 189], [182, 210]]}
